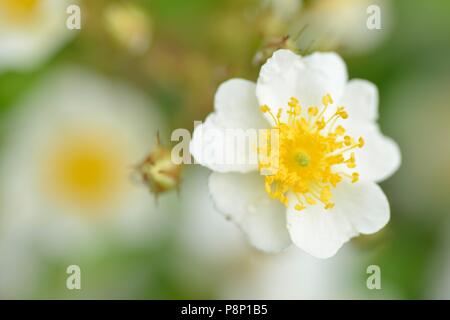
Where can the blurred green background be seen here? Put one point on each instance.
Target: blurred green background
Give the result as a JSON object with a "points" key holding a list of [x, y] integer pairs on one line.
{"points": [[192, 46]]}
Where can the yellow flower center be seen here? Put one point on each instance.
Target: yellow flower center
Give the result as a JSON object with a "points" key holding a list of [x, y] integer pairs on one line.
{"points": [[309, 149], [85, 170], [19, 10]]}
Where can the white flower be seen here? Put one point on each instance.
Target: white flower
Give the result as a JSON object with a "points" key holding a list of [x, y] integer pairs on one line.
{"points": [[66, 166], [316, 179], [31, 30]]}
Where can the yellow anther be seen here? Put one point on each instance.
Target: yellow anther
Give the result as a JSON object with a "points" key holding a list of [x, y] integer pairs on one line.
{"points": [[361, 142], [342, 113], [325, 195], [295, 106], [320, 124], [326, 100], [293, 102], [313, 111], [329, 205], [335, 179], [355, 177], [348, 140], [264, 108], [340, 130]]}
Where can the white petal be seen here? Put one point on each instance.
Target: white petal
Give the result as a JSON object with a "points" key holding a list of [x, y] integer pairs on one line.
{"points": [[331, 66], [242, 198], [308, 79], [361, 100], [236, 106], [380, 157], [214, 145], [359, 208]]}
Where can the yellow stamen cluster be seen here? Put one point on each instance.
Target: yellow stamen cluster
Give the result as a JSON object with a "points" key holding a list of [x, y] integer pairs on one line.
{"points": [[309, 146]]}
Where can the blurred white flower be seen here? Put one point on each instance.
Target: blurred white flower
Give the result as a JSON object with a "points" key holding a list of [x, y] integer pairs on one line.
{"points": [[342, 24], [202, 232], [316, 181], [18, 272], [295, 275], [31, 30], [438, 273], [209, 248], [284, 9], [65, 171]]}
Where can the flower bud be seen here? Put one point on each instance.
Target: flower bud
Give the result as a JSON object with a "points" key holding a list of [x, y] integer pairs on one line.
{"points": [[158, 171]]}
